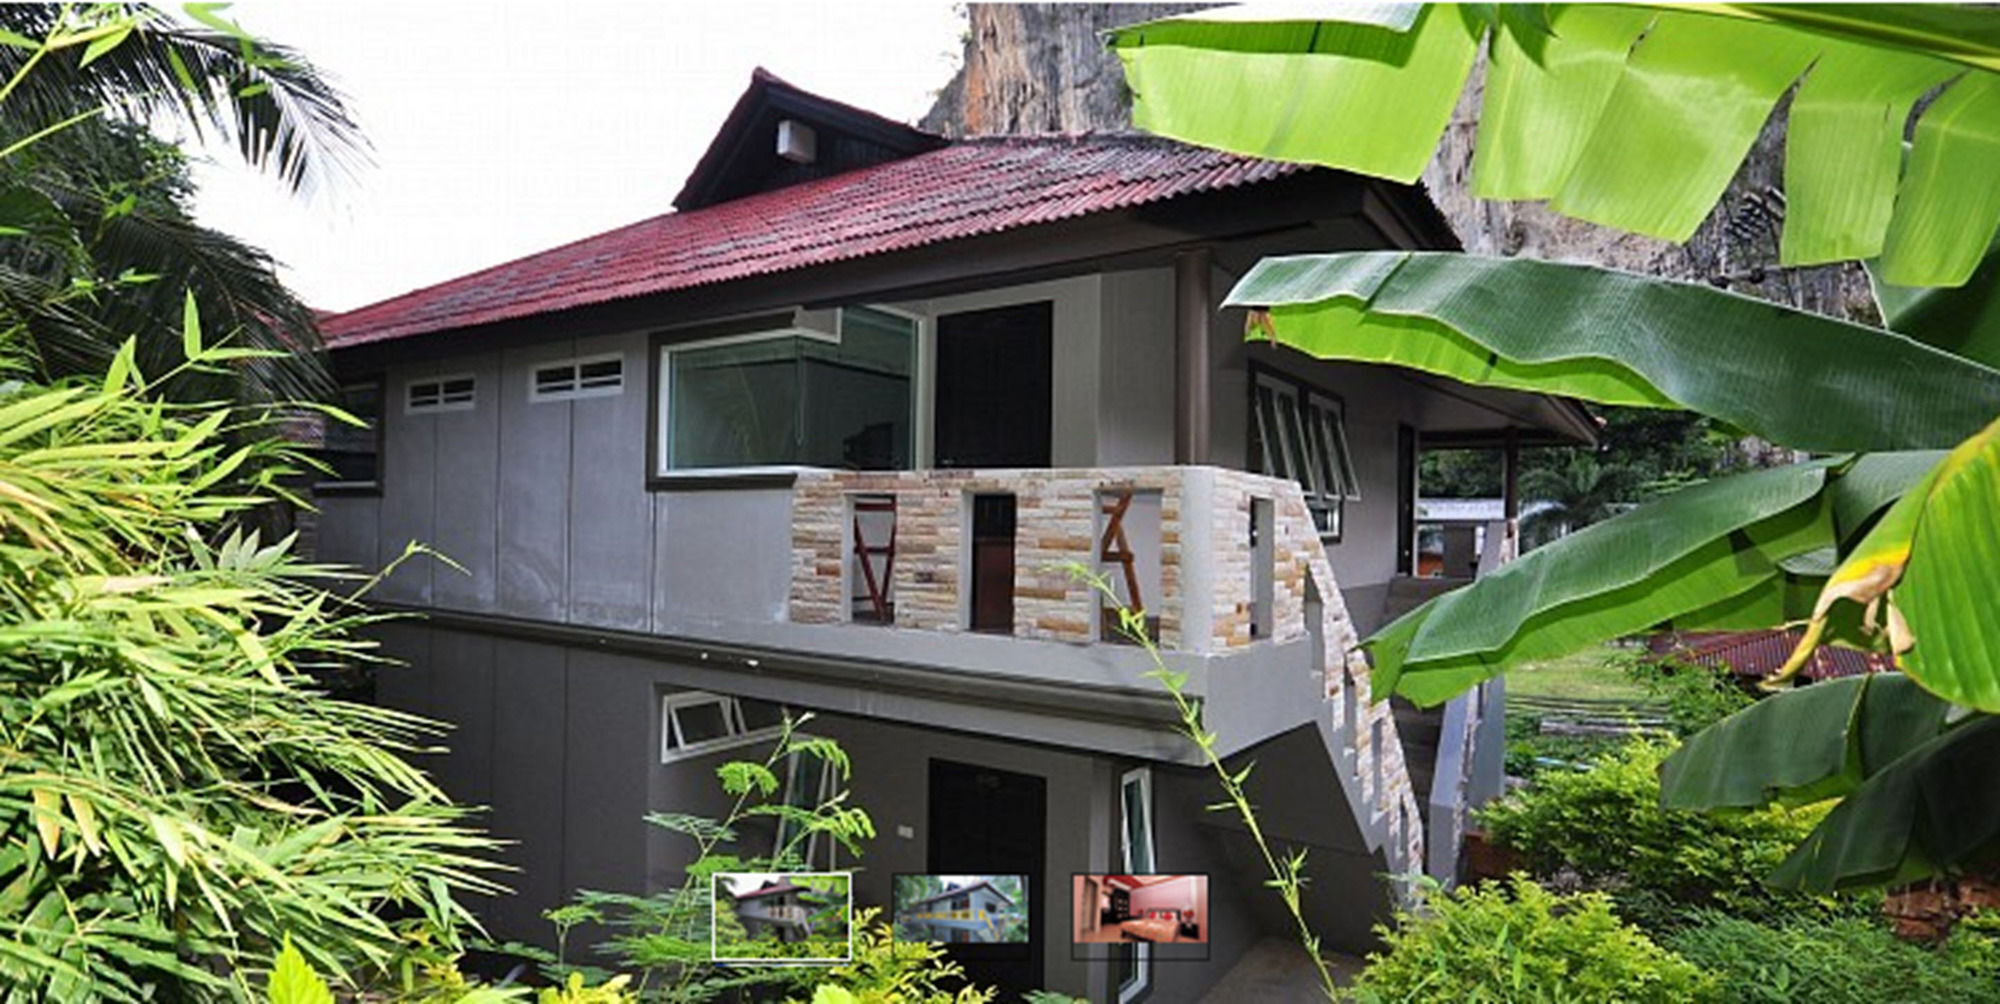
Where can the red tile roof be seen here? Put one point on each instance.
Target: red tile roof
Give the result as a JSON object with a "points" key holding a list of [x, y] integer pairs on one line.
{"points": [[969, 188], [1761, 653]]}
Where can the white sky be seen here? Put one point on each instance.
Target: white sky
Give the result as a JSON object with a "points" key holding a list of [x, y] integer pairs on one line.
{"points": [[504, 128]]}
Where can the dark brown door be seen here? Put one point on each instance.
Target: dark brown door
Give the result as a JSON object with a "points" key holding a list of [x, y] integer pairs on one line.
{"points": [[993, 563], [993, 822], [993, 386]]}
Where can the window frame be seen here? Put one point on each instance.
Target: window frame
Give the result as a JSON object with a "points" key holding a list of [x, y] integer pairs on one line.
{"points": [[575, 390], [1142, 962], [410, 385], [1324, 470], [743, 330], [735, 732], [378, 427]]}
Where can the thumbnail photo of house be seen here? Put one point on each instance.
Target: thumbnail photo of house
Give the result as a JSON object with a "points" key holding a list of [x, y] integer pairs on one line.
{"points": [[1154, 909], [788, 917], [962, 909]]}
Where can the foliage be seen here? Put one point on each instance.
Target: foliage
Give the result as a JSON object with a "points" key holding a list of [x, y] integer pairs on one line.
{"points": [[887, 970], [1578, 492], [1606, 824], [1530, 751], [1587, 106], [1695, 696], [1497, 945], [664, 939], [1837, 960], [1690, 556], [101, 201], [1663, 450], [1897, 757], [177, 792]]}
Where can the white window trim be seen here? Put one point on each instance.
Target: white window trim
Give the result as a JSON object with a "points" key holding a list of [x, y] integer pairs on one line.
{"points": [[919, 388], [735, 732], [1142, 961], [1302, 470], [575, 390], [410, 407]]}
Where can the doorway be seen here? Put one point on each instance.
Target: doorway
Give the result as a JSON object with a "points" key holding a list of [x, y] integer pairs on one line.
{"points": [[994, 386], [984, 821]]}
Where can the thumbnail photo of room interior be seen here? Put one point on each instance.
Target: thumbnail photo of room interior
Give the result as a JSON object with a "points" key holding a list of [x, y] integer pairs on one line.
{"points": [[1156, 909]]}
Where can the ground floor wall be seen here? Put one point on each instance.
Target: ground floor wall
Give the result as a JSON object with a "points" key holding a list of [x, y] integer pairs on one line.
{"points": [[563, 744]]}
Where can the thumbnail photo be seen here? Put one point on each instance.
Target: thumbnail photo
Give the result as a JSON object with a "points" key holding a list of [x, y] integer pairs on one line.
{"points": [[962, 909], [1151, 909], [792, 917]]}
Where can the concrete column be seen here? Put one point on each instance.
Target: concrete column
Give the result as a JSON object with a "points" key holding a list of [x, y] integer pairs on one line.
{"points": [[1191, 316]]}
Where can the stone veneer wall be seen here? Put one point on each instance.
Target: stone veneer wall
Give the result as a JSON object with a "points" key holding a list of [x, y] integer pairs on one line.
{"points": [[1056, 523]]}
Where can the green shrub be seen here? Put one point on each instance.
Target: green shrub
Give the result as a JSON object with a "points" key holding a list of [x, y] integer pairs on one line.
{"points": [[1839, 960], [1696, 696], [1606, 824], [1522, 943], [1530, 751]]}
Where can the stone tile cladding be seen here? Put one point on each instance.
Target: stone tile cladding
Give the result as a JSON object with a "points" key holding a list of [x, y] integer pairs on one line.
{"points": [[1056, 524]]}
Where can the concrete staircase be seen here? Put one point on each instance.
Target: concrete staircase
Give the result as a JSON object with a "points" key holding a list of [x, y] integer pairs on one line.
{"points": [[1420, 728]]}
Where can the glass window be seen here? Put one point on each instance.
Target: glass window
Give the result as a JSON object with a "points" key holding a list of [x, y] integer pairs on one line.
{"points": [[694, 722], [454, 393], [796, 399], [1299, 434], [353, 452]]}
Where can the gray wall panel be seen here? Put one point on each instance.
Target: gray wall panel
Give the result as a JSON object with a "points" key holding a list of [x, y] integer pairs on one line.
{"points": [[465, 497], [534, 491], [611, 513], [461, 695], [611, 726], [349, 530], [1135, 413], [723, 556], [409, 446], [527, 771]]}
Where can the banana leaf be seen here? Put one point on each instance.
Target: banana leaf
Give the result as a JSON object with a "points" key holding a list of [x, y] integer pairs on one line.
{"points": [[1931, 568], [1795, 378], [1883, 745], [1669, 558], [1632, 117], [1803, 745]]}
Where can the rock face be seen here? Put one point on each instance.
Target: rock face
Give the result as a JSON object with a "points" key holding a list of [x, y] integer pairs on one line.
{"points": [[1038, 68], [1031, 68]]}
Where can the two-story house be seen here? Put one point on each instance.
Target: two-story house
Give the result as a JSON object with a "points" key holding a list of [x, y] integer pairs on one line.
{"points": [[774, 908], [975, 912], [826, 436]]}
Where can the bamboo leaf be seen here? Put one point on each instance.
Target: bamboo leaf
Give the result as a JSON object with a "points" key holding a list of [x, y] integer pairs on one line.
{"points": [[1803, 380]]}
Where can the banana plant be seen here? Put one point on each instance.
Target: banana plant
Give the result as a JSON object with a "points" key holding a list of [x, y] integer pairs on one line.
{"points": [[1637, 117]]}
